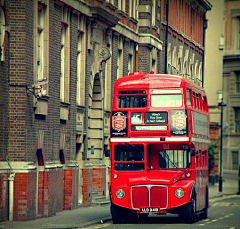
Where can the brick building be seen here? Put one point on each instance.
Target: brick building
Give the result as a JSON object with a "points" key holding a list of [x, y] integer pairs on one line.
{"points": [[59, 61]]}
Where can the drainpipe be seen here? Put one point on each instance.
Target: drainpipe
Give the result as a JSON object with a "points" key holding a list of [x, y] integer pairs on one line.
{"points": [[11, 179], [166, 39]]}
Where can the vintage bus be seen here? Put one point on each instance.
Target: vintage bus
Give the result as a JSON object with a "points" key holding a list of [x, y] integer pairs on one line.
{"points": [[159, 148]]}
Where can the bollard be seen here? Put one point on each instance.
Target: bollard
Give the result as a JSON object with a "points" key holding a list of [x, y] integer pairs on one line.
{"points": [[238, 180]]}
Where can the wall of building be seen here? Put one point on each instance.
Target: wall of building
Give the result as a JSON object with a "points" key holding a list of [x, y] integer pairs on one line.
{"points": [[214, 56], [231, 68], [47, 143]]}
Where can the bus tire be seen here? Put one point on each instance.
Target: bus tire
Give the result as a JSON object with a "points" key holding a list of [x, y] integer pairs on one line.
{"points": [[205, 210], [189, 211], [116, 214], [205, 214]]}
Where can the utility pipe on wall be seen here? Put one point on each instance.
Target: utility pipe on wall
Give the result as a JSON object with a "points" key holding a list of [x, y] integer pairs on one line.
{"points": [[11, 179]]}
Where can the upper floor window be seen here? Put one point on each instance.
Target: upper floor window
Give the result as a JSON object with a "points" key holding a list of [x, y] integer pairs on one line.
{"points": [[130, 63], [81, 56], [65, 55], [154, 12], [238, 32], [107, 86], [119, 64], [130, 57], [122, 5], [237, 119], [3, 32], [110, 1], [237, 82], [132, 8], [41, 41]]}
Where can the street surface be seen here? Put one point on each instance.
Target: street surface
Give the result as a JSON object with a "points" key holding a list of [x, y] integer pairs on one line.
{"points": [[224, 212]]}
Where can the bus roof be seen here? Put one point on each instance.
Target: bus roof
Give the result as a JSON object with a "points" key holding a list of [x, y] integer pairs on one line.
{"points": [[151, 80]]}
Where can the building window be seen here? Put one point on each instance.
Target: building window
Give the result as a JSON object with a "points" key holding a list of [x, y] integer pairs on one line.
{"points": [[154, 12], [120, 58], [132, 9], [80, 72], [122, 5], [130, 63], [107, 86], [238, 32], [3, 33], [110, 1], [81, 54], [237, 82], [237, 120], [41, 42], [65, 55]]}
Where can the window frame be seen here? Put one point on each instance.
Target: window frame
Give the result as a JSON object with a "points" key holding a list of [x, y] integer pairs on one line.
{"points": [[237, 119], [41, 43]]}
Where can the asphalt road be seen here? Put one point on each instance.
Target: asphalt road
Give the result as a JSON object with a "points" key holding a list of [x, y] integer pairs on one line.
{"points": [[224, 213]]}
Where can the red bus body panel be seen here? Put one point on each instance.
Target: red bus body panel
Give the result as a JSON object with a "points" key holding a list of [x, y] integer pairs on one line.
{"points": [[156, 188]]}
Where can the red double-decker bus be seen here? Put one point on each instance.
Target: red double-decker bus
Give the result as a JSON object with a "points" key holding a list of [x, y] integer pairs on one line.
{"points": [[159, 148]]}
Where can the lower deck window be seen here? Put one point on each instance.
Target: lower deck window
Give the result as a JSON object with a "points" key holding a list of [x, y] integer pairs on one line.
{"points": [[129, 158]]}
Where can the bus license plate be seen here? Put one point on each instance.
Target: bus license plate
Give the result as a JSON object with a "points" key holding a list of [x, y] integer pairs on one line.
{"points": [[148, 210]]}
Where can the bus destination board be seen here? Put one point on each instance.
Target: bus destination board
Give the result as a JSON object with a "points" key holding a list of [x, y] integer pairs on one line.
{"points": [[156, 117]]}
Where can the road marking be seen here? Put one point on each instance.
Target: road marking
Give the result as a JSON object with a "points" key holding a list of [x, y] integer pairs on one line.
{"points": [[215, 220], [97, 226], [214, 199]]}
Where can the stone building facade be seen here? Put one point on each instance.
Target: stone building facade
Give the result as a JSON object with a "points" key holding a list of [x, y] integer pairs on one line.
{"points": [[231, 86], [59, 61]]}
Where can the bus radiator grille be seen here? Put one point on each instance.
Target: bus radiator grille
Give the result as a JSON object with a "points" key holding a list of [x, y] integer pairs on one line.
{"points": [[149, 196]]}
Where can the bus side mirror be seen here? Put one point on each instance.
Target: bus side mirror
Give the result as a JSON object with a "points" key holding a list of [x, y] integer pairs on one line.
{"points": [[107, 153]]}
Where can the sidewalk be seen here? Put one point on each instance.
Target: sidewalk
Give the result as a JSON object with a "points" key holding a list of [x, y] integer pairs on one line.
{"points": [[85, 216], [77, 218], [229, 186]]}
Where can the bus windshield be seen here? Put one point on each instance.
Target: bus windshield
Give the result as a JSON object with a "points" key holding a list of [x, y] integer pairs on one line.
{"points": [[167, 159], [174, 158], [129, 158]]}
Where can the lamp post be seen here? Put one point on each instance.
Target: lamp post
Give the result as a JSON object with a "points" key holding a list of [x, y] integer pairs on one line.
{"points": [[221, 104]]}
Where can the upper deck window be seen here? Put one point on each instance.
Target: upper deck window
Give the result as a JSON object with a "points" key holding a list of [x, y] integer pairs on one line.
{"points": [[166, 100], [189, 104], [132, 99]]}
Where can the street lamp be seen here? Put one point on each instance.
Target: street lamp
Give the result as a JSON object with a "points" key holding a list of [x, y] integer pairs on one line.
{"points": [[221, 104]]}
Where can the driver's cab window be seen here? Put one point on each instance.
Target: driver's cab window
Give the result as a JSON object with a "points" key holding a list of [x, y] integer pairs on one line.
{"points": [[168, 159]]}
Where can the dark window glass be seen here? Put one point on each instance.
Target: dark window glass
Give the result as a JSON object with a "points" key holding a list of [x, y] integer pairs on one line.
{"points": [[129, 158], [238, 82], [188, 99], [131, 92], [132, 101], [237, 120]]}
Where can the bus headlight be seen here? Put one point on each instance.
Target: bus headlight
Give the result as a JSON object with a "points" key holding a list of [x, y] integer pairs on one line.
{"points": [[120, 193], [179, 193]]}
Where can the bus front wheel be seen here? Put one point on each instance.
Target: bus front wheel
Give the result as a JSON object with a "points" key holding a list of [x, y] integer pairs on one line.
{"points": [[189, 211], [116, 214]]}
